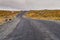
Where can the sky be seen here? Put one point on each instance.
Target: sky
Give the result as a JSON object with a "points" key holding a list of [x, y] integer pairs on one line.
{"points": [[30, 4]]}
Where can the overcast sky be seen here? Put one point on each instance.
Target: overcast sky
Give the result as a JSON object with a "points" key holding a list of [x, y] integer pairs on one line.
{"points": [[30, 4]]}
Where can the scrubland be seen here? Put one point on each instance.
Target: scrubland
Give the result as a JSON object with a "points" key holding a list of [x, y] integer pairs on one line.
{"points": [[44, 14], [6, 16]]}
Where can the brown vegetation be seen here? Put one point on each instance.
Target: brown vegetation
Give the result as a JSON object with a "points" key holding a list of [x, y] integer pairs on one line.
{"points": [[7, 15], [44, 14]]}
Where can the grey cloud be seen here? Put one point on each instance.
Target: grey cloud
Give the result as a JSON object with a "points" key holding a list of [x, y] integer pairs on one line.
{"points": [[31, 4]]}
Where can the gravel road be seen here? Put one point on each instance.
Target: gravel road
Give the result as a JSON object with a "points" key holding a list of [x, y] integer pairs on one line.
{"points": [[29, 29]]}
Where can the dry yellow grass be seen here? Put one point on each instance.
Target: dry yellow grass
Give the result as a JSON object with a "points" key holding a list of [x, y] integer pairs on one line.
{"points": [[44, 14], [7, 15]]}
